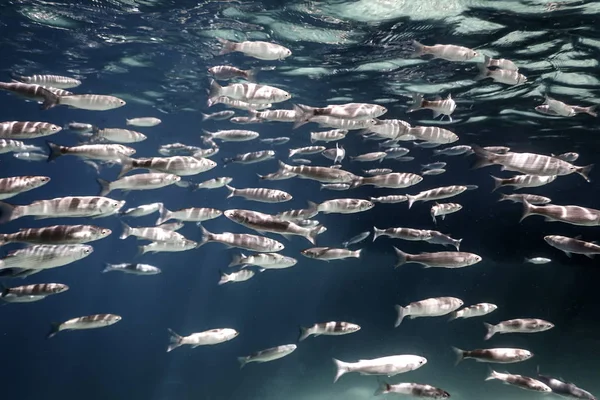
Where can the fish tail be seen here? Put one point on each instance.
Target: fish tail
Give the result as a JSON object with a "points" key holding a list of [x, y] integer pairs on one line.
{"points": [[376, 232], [228, 47], [528, 209], [3, 239], [283, 167], [312, 206], [419, 50], [312, 234], [585, 171], [453, 316], [215, 90], [417, 103], [401, 314], [127, 121], [491, 375], [226, 161], [251, 74], [126, 231], [497, 185], [126, 166], [460, 354], [8, 212], [411, 200], [304, 333], [382, 389], [482, 72], [17, 77], [490, 330], [402, 257], [457, 244], [206, 236], [236, 259], [341, 369], [50, 99], [54, 329], [357, 253], [591, 110], [484, 157], [55, 151], [164, 214], [487, 60], [243, 361], [204, 116], [303, 114], [224, 278], [141, 251], [175, 340], [104, 186], [108, 267], [231, 191]]}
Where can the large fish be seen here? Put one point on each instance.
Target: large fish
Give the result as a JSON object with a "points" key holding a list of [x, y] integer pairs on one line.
{"points": [[574, 215], [389, 366]]}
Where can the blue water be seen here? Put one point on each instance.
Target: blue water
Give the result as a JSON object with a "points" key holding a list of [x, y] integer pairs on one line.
{"points": [[172, 44]]}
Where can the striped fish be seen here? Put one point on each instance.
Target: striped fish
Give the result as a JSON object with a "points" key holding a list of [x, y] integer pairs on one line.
{"points": [[7, 146], [10, 187], [57, 234], [262, 195], [95, 102], [250, 92], [574, 215], [87, 322], [102, 152], [40, 289], [46, 256], [333, 328], [31, 91], [56, 81], [177, 165], [242, 240], [27, 129]]}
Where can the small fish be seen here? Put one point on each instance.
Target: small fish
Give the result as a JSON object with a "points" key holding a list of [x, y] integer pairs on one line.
{"points": [[143, 121], [117, 135], [169, 247], [41, 289], [413, 390], [431, 172], [211, 337], [574, 215], [378, 171], [214, 183], [271, 354], [433, 135], [438, 260], [259, 50], [538, 260], [337, 155], [433, 307], [435, 165], [87, 322], [440, 193], [328, 136], [227, 72], [16, 146], [444, 209], [345, 206], [263, 260], [509, 77], [242, 240], [444, 240], [260, 194], [10, 187], [239, 276], [332, 328], [523, 181], [56, 234], [520, 198], [330, 253], [565, 110], [520, 381], [234, 135], [250, 92], [218, 116], [134, 269], [356, 239], [500, 63], [191, 214], [390, 365], [141, 211], [565, 389], [370, 157], [452, 151], [447, 52], [439, 107], [27, 130], [305, 151], [569, 157], [522, 325], [573, 245], [102, 152], [391, 199], [138, 182], [497, 356], [250, 158], [476, 310], [55, 81], [301, 161], [94, 102], [275, 141], [402, 233]]}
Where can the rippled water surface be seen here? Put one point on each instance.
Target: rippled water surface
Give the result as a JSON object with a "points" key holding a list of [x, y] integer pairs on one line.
{"points": [[154, 55]]}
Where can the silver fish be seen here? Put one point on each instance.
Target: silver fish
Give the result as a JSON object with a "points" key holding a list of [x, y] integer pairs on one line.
{"points": [[476, 310], [430, 172], [402, 233], [117, 135], [522, 325], [435, 165], [538, 260], [96, 102], [508, 77], [193, 214], [138, 182], [256, 49], [250, 158], [447, 52], [45, 256], [274, 115], [336, 186], [17, 146], [57, 234], [565, 389], [390, 365], [321, 174], [40, 289], [440, 193], [332, 328], [452, 151], [345, 206], [433, 307], [153, 234], [444, 259], [10, 187], [412, 389], [378, 171], [443, 210], [439, 107], [391, 199], [33, 92], [370, 157], [250, 92], [239, 104], [328, 136], [169, 247], [242, 240], [238, 276], [143, 121], [143, 210], [175, 149], [520, 381], [214, 183], [523, 181], [445, 240], [55, 81], [574, 215], [572, 246], [263, 260], [234, 135], [306, 150], [300, 214], [271, 354], [275, 141], [206, 338], [356, 239], [433, 134], [330, 253], [520, 198], [27, 130], [497, 356], [87, 322], [134, 269], [177, 165], [103, 152], [262, 195], [565, 110], [218, 116], [500, 63], [394, 180]]}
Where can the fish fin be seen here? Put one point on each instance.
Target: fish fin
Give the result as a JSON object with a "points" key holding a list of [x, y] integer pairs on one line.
{"points": [[460, 355], [457, 244], [104, 186], [528, 208], [108, 267], [419, 49], [50, 99], [490, 331], [585, 171], [206, 236], [497, 185], [304, 333], [126, 231], [164, 214], [589, 255], [228, 47], [484, 157], [483, 72], [236, 259], [312, 234], [126, 166], [174, 339], [231, 191], [224, 278], [54, 329], [303, 114], [8, 212], [243, 361], [382, 389], [55, 151], [568, 254], [376, 232], [411, 200], [357, 253], [453, 316], [491, 375], [591, 110], [141, 250], [417, 103], [204, 116], [401, 314], [215, 90], [402, 257], [341, 369], [436, 114]]}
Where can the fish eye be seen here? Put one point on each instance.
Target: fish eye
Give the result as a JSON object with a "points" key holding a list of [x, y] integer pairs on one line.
{"points": [[87, 251], [105, 231], [54, 128]]}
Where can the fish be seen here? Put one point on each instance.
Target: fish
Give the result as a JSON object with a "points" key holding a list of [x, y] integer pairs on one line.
{"points": [[330, 253], [142, 211], [394, 180], [211, 337], [564, 389], [565, 110], [442, 259], [87, 322], [440, 193], [227, 72], [117, 135], [305, 151], [80, 127], [250, 158], [102, 152], [152, 234], [345, 206], [476, 310], [356, 239], [523, 181], [233, 135], [138, 182], [16, 146], [10, 187], [328, 136], [27, 129], [430, 172], [447, 52], [433, 135], [413, 390], [392, 129], [389, 366], [214, 183], [520, 381], [432, 307], [530, 163], [573, 245], [41, 289], [170, 247], [520, 198], [538, 260], [452, 151], [391, 199], [60, 207], [342, 123], [396, 153], [143, 121], [176, 165], [56, 234], [320, 174], [174, 149], [509, 77], [95, 102], [444, 209], [569, 157], [192, 214], [263, 260], [55, 81], [370, 157], [262, 195], [349, 111], [275, 141], [497, 355], [521, 325], [246, 120], [439, 107], [256, 49], [574, 215], [250, 92], [402, 233], [332, 328], [335, 186], [445, 240], [32, 92], [435, 165], [242, 240], [218, 116], [238, 276], [274, 115], [299, 214], [378, 171], [133, 269], [239, 104], [500, 63], [271, 354]]}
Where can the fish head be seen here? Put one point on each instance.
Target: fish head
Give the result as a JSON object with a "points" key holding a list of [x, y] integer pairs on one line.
{"points": [[102, 233], [285, 54], [322, 229], [283, 196], [441, 394], [474, 259], [115, 318], [421, 361], [308, 253], [278, 247], [84, 251], [51, 128], [37, 181], [60, 288], [121, 103], [524, 355], [367, 205], [470, 54], [353, 327], [116, 205], [416, 179], [229, 333], [521, 79], [234, 215], [546, 325]]}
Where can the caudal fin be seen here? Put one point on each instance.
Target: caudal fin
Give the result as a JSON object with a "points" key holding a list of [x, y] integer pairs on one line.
{"points": [[175, 340], [498, 183], [382, 389], [341, 369], [528, 209], [453, 316], [402, 257], [484, 157], [228, 47], [214, 90], [313, 233], [482, 71], [304, 333], [490, 331], [302, 114], [585, 171], [251, 74], [417, 103], [419, 49], [126, 231], [491, 375], [231, 191], [108, 267], [401, 314], [243, 361], [376, 232], [126, 166], [591, 110], [411, 200], [460, 355], [206, 236], [50, 99], [224, 278], [54, 329], [55, 151], [8, 212], [164, 215], [104, 186], [236, 259]]}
